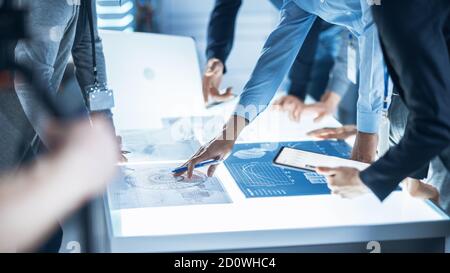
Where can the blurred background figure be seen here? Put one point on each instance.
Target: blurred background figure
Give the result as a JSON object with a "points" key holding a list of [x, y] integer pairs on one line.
{"points": [[35, 197], [144, 16], [329, 84]]}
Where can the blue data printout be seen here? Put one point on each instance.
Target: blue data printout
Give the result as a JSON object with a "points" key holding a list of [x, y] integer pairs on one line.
{"points": [[251, 167]]}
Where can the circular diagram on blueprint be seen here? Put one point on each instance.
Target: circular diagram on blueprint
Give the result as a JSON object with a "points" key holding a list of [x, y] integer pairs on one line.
{"points": [[250, 153], [162, 179], [254, 153]]}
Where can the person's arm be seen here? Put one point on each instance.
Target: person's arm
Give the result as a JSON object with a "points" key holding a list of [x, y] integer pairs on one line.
{"points": [[278, 54], [300, 72], [418, 68], [82, 52], [277, 57], [40, 53], [32, 201], [221, 30], [371, 92], [338, 82], [299, 76], [220, 40]]}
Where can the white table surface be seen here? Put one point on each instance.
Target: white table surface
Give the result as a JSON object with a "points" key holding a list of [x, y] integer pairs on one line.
{"points": [[268, 222], [159, 228]]}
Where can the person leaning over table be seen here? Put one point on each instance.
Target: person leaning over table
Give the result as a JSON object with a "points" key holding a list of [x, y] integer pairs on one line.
{"points": [[416, 43], [309, 72], [59, 30], [340, 95], [397, 115], [280, 50]]}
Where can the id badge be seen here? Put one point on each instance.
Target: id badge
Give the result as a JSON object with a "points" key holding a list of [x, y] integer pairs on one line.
{"points": [[99, 97], [384, 132], [352, 71]]}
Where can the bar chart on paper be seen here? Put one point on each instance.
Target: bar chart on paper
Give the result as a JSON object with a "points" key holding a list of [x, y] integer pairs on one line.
{"points": [[251, 167]]}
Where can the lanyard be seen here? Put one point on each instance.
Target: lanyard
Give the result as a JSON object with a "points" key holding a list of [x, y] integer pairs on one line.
{"points": [[384, 130], [91, 30], [386, 89]]}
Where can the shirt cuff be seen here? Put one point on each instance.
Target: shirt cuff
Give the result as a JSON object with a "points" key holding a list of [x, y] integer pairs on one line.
{"points": [[368, 122], [214, 54], [367, 177]]}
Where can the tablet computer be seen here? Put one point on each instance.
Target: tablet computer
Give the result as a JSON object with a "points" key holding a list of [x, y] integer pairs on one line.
{"points": [[298, 159]]}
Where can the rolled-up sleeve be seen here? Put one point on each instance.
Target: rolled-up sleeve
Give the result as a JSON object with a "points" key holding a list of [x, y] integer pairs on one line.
{"points": [[276, 59], [371, 80]]}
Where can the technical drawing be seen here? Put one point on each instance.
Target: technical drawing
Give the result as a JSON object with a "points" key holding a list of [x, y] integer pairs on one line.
{"points": [[152, 185], [162, 179], [250, 153]]}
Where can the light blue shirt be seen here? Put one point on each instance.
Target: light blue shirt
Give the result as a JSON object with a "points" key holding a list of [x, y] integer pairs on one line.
{"points": [[283, 44]]}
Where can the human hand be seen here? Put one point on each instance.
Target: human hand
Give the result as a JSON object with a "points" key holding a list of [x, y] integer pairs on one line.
{"points": [[290, 104], [342, 133], [219, 148], [122, 155], [212, 78], [84, 156], [365, 148], [344, 181], [326, 106], [419, 189]]}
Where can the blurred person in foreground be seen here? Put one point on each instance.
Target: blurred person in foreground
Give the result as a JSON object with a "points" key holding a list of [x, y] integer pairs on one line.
{"points": [[32, 199]]}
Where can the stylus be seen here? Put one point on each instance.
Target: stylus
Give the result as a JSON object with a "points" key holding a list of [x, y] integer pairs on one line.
{"points": [[199, 165]]}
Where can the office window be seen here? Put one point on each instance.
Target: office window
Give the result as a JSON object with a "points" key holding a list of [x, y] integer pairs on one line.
{"points": [[116, 14]]}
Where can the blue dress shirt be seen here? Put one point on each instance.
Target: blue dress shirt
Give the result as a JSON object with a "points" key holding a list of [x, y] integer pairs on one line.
{"points": [[283, 44]]}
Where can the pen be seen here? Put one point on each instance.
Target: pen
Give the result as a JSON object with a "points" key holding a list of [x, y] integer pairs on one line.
{"points": [[199, 165]]}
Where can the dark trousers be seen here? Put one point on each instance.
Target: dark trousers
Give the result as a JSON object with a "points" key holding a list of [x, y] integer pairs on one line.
{"points": [[415, 36]]}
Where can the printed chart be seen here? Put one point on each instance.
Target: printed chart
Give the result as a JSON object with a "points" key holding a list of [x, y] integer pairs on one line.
{"points": [[251, 167]]}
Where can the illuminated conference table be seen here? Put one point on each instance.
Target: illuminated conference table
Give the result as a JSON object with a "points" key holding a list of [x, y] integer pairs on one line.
{"points": [[318, 223], [295, 223]]}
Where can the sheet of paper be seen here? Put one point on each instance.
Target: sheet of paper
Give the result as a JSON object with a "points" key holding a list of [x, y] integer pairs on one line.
{"points": [[152, 185]]}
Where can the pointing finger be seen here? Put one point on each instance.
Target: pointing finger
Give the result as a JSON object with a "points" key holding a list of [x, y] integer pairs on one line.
{"points": [[212, 170]]}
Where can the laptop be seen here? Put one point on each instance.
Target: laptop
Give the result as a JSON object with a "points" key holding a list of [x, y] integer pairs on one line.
{"points": [[153, 77]]}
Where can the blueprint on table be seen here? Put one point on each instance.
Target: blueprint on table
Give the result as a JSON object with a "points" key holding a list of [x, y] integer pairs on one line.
{"points": [[153, 185], [251, 167]]}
